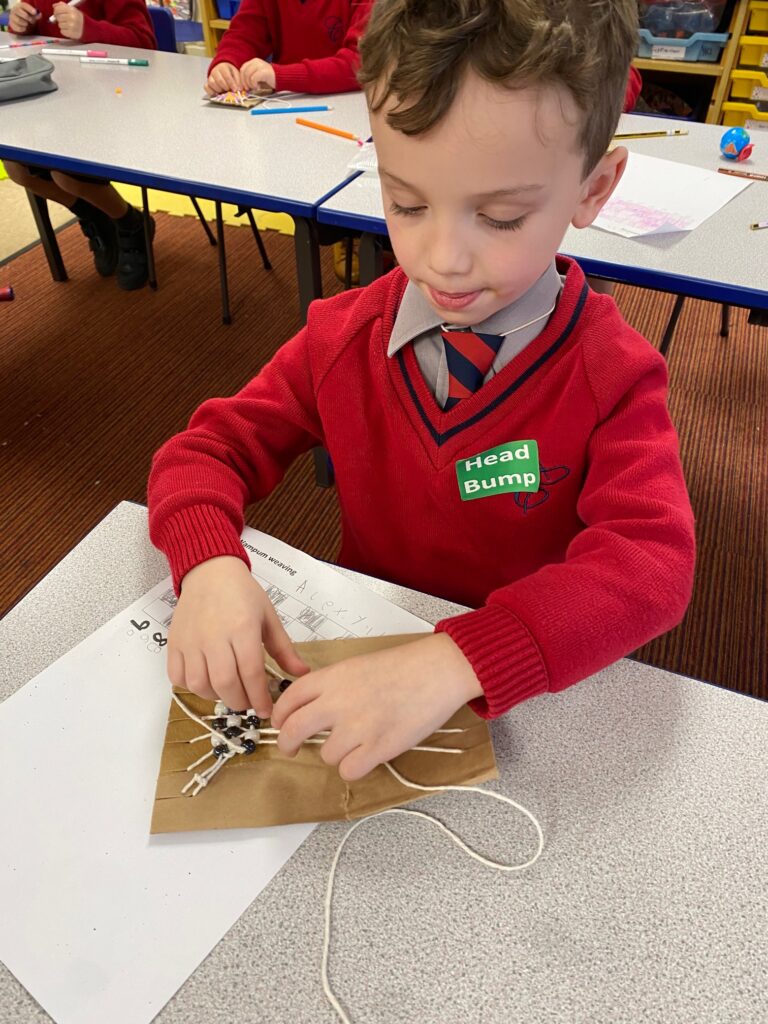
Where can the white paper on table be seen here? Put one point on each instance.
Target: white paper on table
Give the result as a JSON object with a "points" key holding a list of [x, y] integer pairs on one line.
{"points": [[660, 196], [99, 921]]}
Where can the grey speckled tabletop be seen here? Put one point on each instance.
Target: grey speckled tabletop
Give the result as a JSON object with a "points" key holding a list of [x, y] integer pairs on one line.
{"points": [[649, 903]]}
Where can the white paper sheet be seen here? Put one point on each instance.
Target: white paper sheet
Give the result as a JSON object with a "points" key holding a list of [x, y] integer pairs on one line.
{"points": [[660, 196], [99, 921]]}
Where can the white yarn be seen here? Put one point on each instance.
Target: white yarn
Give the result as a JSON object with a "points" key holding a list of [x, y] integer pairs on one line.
{"points": [[444, 828]]}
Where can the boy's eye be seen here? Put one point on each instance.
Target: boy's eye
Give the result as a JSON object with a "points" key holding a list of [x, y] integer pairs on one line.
{"points": [[504, 225], [404, 211]]}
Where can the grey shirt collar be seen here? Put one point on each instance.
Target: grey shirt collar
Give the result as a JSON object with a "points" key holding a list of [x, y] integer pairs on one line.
{"points": [[415, 316]]}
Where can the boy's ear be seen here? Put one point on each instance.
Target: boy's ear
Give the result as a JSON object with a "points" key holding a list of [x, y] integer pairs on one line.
{"points": [[599, 185]]}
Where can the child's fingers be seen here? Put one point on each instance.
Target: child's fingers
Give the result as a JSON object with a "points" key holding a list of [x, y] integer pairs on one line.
{"points": [[249, 655], [224, 678], [279, 645]]}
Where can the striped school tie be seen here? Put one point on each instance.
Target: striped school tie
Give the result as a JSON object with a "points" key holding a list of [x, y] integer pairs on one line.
{"points": [[469, 355]]}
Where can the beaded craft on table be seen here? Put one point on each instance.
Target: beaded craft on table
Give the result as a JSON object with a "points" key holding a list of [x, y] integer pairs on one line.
{"points": [[229, 761], [242, 98], [232, 733]]}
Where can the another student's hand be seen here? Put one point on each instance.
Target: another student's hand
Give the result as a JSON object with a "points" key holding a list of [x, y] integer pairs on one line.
{"points": [[70, 21], [258, 75], [224, 78], [378, 705], [22, 17], [215, 641]]}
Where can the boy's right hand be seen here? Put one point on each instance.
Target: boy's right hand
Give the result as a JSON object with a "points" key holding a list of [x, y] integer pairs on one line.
{"points": [[22, 17], [215, 640], [224, 78]]}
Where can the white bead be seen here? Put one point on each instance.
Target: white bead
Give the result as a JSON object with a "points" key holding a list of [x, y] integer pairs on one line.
{"points": [[220, 708], [233, 720]]}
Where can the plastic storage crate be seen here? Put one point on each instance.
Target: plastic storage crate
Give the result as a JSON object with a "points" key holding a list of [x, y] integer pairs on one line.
{"points": [[758, 16], [753, 52], [680, 19], [749, 85], [752, 116], [702, 46], [227, 8]]}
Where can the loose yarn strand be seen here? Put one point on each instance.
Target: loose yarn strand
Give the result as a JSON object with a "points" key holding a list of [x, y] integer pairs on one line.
{"points": [[329, 993]]}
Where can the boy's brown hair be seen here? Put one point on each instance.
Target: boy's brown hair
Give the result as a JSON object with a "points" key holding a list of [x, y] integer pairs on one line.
{"points": [[418, 51]]}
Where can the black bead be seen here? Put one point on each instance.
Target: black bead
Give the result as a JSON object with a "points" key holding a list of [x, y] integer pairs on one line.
{"points": [[219, 723], [232, 732], [248, 746], [220, 750], [284, 684], [253, 721], [231, 712]]}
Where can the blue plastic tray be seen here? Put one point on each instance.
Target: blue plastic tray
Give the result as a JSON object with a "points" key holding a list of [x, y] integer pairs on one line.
{"points": [[702, 46]]}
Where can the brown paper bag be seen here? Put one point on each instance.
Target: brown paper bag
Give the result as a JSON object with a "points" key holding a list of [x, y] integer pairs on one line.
{"points": [[267, 788]]}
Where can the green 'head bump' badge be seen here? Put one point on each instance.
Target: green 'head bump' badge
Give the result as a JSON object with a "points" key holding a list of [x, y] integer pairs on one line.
{"points": [[513, 466]]}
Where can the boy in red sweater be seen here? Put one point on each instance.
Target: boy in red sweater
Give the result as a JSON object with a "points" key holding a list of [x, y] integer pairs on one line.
{"points": [[499, 434], [114, 228], [312, 45]]}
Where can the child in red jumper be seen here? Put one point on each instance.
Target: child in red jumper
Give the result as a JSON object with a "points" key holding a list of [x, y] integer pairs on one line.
{"points": [[114, 228], [312, 45], [543, 490]]}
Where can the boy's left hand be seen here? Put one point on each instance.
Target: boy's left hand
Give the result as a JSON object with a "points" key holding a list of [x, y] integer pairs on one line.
{"points": [[258, 75], [376, 706], [70, 21]]}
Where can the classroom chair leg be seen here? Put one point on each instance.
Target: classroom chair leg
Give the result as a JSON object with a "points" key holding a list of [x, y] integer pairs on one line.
{"points": [[151, 275], [248, 212], [371, 258], [725, 311], [47, 237], [226, 316], [202, 220], [323, 467], [349, 252], [674, 317]]}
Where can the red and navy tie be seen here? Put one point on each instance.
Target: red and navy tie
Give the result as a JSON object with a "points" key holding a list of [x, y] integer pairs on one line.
{"points": [[469, 355]]}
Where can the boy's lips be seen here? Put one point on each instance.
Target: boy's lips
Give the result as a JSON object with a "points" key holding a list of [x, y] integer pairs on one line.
{"points": [[453, 300]]}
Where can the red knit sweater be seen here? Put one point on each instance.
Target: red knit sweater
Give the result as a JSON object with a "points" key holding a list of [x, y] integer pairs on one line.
{"points": [[566, 580], [313, 46], [119, 22]]}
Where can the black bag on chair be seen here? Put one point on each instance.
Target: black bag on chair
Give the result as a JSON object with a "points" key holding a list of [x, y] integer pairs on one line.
{"points": [[26, 76]]}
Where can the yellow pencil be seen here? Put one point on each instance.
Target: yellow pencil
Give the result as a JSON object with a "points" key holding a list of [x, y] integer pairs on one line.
{"points": [[327, 128], [651, 135]]}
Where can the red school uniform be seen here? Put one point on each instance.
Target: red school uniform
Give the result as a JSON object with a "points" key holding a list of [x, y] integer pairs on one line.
{"points": [[312, 43], [564, 581], [119, 22]]}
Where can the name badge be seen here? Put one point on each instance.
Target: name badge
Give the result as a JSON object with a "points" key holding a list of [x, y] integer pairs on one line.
{"points": [[513, 466]]}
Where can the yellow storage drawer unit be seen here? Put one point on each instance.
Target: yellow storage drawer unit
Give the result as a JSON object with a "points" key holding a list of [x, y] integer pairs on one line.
{"points": [[749, 85], [747, 115], [758, 16], [753, 52]]}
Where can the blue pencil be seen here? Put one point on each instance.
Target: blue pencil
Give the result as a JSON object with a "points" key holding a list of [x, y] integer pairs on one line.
{"points": [[286, 110]]}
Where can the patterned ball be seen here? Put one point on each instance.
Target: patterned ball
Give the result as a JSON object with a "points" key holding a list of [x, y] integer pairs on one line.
{"points": [[735, 144]]}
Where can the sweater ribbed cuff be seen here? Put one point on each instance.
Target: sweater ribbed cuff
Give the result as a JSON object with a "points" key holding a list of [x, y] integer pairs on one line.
{"points": [[505, 657], [194, 535], [291, 78]]}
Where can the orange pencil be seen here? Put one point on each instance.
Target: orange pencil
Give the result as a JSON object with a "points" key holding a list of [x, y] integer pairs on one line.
{"points": [[327, 128]]}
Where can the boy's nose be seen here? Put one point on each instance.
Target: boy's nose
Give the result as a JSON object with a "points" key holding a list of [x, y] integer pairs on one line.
{"points": [[448, 253]]}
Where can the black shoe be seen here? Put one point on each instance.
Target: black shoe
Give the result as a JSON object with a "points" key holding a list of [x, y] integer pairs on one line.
{"points": [[101, 233], [132, 264]]}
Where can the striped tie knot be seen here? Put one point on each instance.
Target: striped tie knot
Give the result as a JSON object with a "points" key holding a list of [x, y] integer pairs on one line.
{"points": [[469, 355]]}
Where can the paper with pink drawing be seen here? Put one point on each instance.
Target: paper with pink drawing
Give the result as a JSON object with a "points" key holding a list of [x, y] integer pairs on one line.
{"points": [[661, 196]]}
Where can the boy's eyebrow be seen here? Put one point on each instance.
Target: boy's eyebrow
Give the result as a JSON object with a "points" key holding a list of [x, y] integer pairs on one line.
{"points": [[498, 193]]}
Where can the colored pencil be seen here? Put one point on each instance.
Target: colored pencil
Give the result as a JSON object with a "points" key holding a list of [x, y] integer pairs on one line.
{"points": [[742, 174], [327, 128], [759, 226], [651, 135], [286, 110]]}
